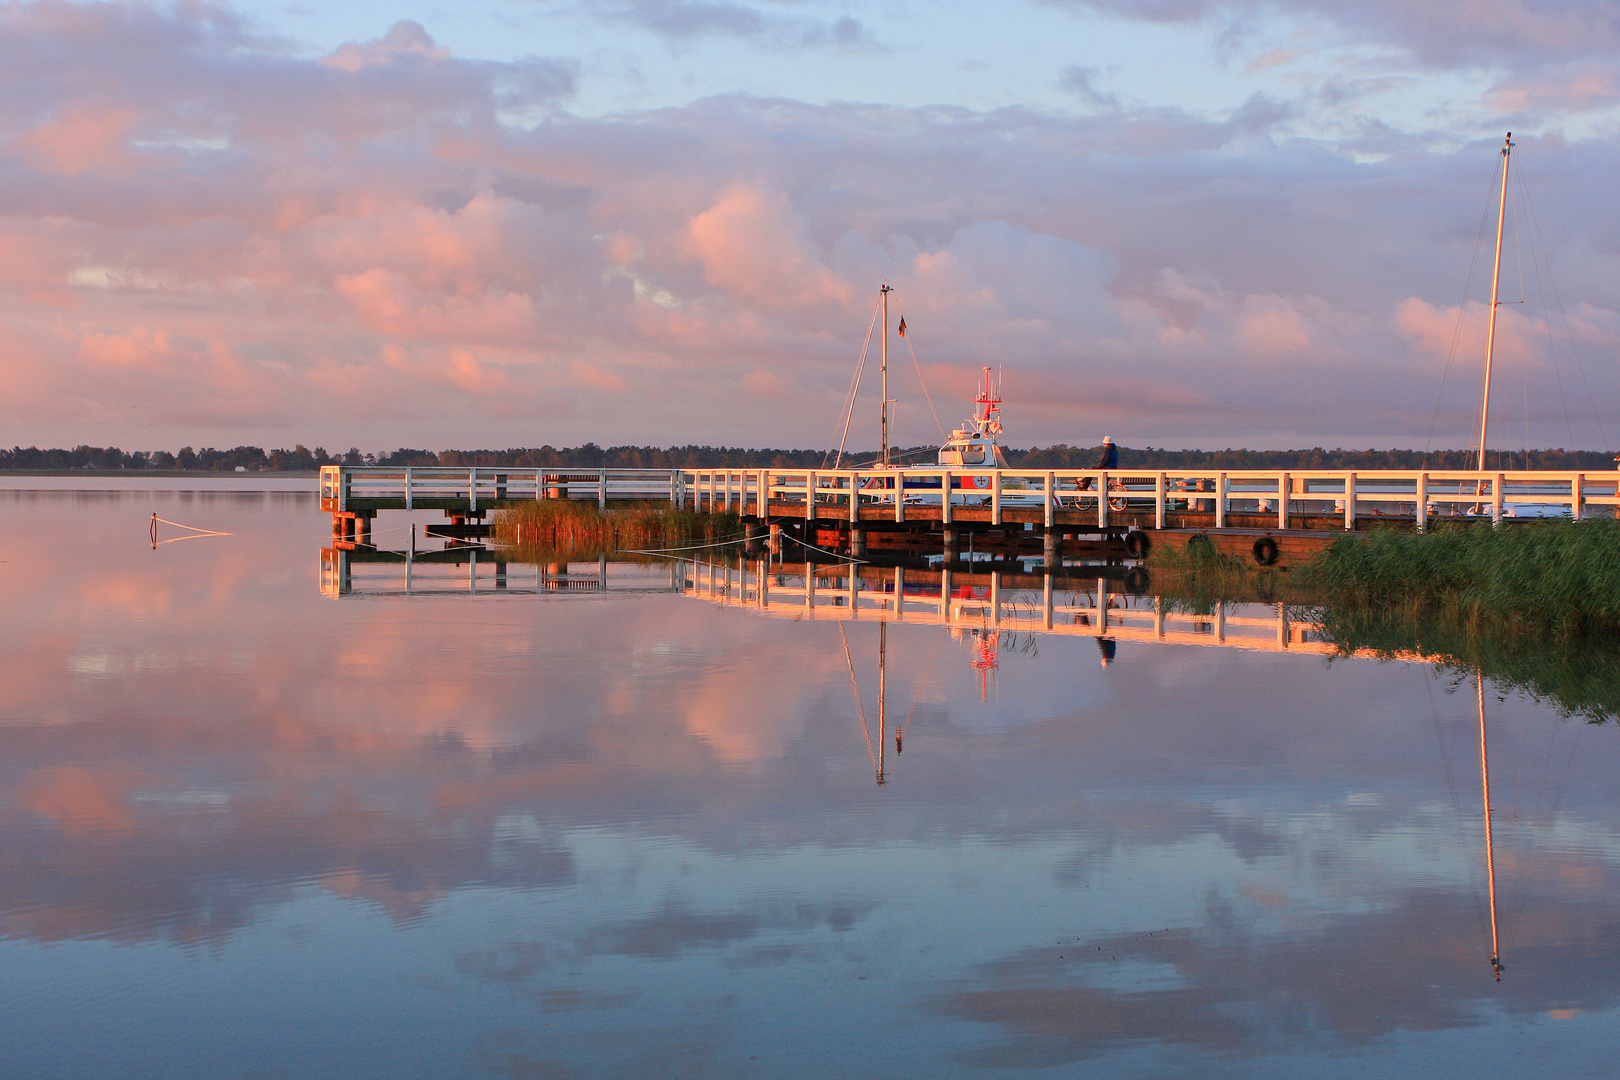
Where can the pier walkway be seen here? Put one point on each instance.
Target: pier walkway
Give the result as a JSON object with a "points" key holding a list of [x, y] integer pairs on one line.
{"points": [[1298, 509]]}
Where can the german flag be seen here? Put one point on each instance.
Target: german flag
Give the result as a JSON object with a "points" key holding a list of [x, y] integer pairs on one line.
{"points": [[903, 329]]}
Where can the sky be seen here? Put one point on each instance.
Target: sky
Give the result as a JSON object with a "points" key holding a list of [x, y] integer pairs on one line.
{"points": [[1176, 222]]}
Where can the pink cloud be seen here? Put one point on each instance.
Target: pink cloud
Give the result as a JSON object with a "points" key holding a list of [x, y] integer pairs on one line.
{"points": [[82, 138]]}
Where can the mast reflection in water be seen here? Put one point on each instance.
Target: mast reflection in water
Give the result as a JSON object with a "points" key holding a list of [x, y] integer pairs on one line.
{"points": [[249, 827]]}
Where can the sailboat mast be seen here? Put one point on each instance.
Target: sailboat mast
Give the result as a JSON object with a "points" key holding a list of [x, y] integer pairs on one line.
{"points": [[1496, 281], [885, 456], [1490, 848]]}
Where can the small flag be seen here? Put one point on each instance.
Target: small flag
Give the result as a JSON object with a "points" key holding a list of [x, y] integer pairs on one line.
{"points": [[902, 326]]}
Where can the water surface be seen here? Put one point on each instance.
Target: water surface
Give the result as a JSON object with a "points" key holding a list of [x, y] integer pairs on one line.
{"points": [[251, 828]]}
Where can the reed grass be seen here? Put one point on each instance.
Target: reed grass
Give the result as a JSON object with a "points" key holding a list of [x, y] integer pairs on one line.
{"points": [[1557, 577], [567, 525]]}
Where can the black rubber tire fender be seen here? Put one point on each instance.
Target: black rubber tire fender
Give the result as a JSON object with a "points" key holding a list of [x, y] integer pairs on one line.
{"points": [[1266, 551], [1138, 544]]}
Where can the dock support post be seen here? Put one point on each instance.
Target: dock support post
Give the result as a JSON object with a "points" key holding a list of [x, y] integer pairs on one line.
{"points": [[857, 542], [949, 535], [776, 538], [1052, 549], [1421, 511]]}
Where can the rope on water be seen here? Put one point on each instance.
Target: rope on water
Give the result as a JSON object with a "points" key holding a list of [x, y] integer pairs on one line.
{"points": [[694, 547], [195, 532], [824, 551]]}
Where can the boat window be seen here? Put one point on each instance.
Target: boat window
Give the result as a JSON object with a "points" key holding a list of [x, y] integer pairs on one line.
{"points": [[973, 455], [950, 455]]}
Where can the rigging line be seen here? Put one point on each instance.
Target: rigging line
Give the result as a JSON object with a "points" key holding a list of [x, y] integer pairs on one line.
{"points": [[854, 387], [1541, 294], [855, 694], [921, 382], [927, 671], [1524, 359], [1537, 236], [1456, 332], [1451, 785]]}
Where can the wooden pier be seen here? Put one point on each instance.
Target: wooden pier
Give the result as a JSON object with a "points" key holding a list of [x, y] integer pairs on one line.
{"points": [[1278, 516]]}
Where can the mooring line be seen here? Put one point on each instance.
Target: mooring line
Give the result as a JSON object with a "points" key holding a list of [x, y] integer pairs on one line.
{"points": [[195, 532], [824, 551]]}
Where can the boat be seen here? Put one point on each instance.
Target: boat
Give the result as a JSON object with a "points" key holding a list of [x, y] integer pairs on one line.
{"points": [[974, 448]]}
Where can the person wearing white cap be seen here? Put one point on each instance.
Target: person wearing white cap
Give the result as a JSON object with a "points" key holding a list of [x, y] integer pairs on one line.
{"points": [[1110, 454]]}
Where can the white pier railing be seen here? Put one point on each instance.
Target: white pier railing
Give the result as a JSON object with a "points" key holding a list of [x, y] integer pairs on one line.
{"points": [[1048, 494]]}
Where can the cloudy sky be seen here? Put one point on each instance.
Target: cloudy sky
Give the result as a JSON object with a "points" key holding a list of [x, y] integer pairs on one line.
{"points": [[1179, 222]]}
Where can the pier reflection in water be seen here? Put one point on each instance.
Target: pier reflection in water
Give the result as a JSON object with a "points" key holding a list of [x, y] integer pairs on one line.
{"points": [[635, 831]]}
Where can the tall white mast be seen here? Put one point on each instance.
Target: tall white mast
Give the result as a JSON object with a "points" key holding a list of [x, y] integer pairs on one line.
{"points": [[885, 457], [1496, 280], [1490, 849]]}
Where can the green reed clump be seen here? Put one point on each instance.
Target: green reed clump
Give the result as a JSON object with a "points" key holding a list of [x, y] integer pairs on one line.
{"points": [[1558, 576], [567, 524]]}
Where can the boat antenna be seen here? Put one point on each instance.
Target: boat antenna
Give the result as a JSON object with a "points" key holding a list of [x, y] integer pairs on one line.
{"points": [[1496, 281], [885, 456]]}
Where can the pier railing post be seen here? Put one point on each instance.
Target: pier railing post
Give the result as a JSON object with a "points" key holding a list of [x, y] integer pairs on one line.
{"points": [[1496, 499], [1577, 495], [408, 505], [1159, 484], [1283, 484], [995, 497], [1102, 500], [601, 489], [945, 497], [472, 489], [1050, 486], [1220, 500], [1421, 511], [1349, 502]]}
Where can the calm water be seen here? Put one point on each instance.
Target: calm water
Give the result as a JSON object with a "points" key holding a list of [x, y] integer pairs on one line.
{"points": [[251, 830]]}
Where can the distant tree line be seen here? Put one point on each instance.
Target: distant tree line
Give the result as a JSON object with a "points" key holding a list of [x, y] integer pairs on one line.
{"points": [[592, 456]]}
